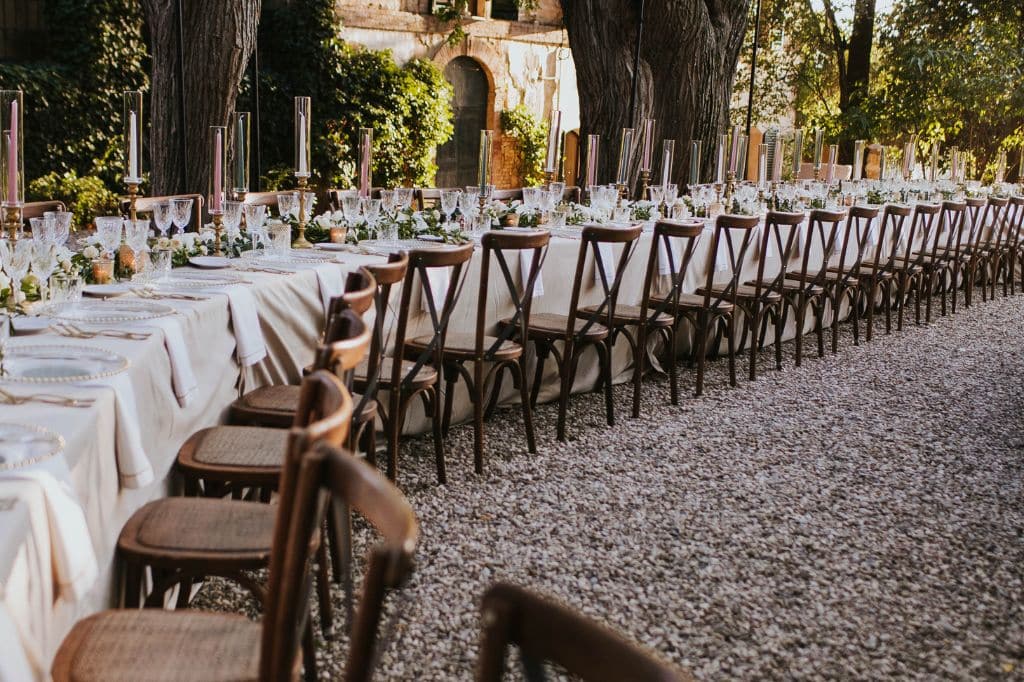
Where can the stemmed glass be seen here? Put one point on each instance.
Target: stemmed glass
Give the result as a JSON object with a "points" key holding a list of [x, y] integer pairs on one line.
{"points": [[181, 213], [108, 229], [61, 225], [44, 260], [162, 216], [232, 223], [136, 235], [388, 200], [288, 205], [19, 256], [449, 202], [469, 203], [671, 196], [42, 229], [547, 201], [351, 208], [254, 217], [371, 211]]}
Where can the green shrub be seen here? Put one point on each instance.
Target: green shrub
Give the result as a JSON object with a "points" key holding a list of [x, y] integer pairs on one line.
{"points": [[86, 197], [531, 136]]}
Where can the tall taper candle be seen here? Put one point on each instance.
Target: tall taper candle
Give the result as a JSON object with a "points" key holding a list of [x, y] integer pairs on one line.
{"points": [[302, 129], [1020, 165], [647, 150], [1001, 167], [241, 130], [819, 141], [695, 157], [762, 165], [954, 164], [798, 151], [720, 158], [734, 151], [554, 129], [593, 150], [12, 156], [777, 160], [625, 156], [933, 165], [741, 163], [881, 162], [908, 160], [858, 159], [365, 161], [484, 165], [668, 157], [216, 182]]}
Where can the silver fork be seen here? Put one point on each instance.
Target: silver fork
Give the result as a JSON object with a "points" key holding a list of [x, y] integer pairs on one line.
{"points": [[145, 293], [45, 398], [75, 331]]}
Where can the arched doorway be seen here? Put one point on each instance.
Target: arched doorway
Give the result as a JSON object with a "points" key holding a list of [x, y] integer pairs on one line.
{"points": [[457, 158]]}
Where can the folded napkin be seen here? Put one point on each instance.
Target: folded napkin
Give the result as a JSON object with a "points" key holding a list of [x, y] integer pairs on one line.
{"points": [[75, 569], [439, 279], [133, 466], [873, 232], [664, 264], [607, 256], [769, 251], [183, 378], [331, 278], [15, 664], [721, 256], [250, 347], [525, 261]]}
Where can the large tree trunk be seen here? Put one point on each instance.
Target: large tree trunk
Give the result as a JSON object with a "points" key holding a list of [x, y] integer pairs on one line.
{"points": [[853, 58], [219, 39], [687, 64]]}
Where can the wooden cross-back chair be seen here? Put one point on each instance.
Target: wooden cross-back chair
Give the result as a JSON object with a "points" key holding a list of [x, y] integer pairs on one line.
{"points": [[146, 204], [582, 328], [500, 351], [408, 374], [841, 279], [980, 250], [909, 265], [426, 196], [943, 258], [225, 537], [656, 314], [545, 631], [36, 209], [1009, 248], [877, 277]]}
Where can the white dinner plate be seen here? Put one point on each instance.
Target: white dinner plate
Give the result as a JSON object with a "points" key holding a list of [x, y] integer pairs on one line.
{"points": [[105, 290], [23, 326], [210, 262], [37, 363], [24, 445], [333, 246], [107, 311], [196, 279]]}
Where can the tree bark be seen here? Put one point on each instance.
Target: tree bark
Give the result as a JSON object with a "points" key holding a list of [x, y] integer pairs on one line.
{"points": [[219, 39], [687, 65], [853, 59]]}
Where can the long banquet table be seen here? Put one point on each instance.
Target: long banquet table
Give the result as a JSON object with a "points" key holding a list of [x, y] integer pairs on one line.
{"points": [[140, 412]]}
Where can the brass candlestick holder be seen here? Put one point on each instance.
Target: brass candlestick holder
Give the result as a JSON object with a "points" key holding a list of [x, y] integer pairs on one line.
{"points": [[240, 197], [730, 189], [12, 221], [301, 242], [133, 196], [645, 181], [817, 173], [218, 229], [550, 176]]}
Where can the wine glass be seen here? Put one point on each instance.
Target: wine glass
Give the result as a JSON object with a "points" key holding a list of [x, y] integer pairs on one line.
{"points": [[232, 222], [469, 202], [42, 229], [44, 260], [181, 213], [254, 217], [531, 198], [371, 210], [162, 217], [387, 201], [449, 202], [351, 206], [18, 260], [288, 205], [558, 189], [108, 229], [403, 198], [136, 235], [61, 225]]}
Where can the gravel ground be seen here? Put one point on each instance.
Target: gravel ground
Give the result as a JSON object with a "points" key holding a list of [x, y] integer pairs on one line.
{"points": [[859, 517]]}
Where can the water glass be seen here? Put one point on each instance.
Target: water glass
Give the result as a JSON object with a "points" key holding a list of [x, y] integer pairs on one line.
{"points": [[351, 207], [280, 240], [371, 210], [108, 229], [449, 202], [558, 189], [657, 194], [161, 263], [388, 232], [181, 213], [557, 219], [61, 225], [671, 193], [403, 198], [162, 217], [288, 205], [531, 198], [387, 201], [232, 223], [42, 229]]}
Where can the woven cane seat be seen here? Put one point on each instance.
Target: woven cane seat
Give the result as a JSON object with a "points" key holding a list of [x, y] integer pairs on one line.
{"points": [[275, 406], [745, 291], [160, 646], [792, 284], [629, 315], [242, 454], [691, 301], [552, 326], [425, 376], [464, 346], [180, 528]]}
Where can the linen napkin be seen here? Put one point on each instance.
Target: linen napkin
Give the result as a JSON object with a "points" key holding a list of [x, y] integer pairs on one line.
{"points": [[133, 466], [14, 664], [75, 569], [439, 279], [183, 378], [721, 256], [525, 261], [607, 256], [331, 278], [250, 346], [873, 232]]}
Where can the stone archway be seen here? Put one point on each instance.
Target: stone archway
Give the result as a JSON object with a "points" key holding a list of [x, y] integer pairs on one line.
{"points": [[458, 158]]}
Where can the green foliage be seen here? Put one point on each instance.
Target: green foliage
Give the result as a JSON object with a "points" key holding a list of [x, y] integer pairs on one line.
{"points": [[351, 87], [451, 12], [73, 101], [86, 196], [531, 136]]}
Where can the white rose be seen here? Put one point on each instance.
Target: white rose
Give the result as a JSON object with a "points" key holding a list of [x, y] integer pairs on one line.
{"points": [[163, 243], [338, 216], [91, 252], [65, 265], [202, 250], [19, 296], [323, 221]]}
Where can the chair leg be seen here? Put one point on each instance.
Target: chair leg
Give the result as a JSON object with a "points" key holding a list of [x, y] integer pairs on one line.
{"points": [[639, 362], [435, 402], [731, 344], [133, 578], [800, 318], [478, 417], [836, 299], [818, 309], [524, 396], [309, 653], [492, 403], [701, 336], [670, 360], [450, 378], [855, 314], [606, 374], [538, 374], [755, 323], [566, 375], [396, 415], [323, 586]]}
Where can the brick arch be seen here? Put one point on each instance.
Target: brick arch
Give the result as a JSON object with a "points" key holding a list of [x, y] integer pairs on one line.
{"points": [[490, 60]]}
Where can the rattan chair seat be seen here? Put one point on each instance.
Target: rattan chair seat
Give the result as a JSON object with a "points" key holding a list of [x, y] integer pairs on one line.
{"points": [[552, 326], [425, 376], [464, 346], [747, 292], [795, 285], [180, 528], [629, 315], [691, 301], [275, 406], [234, 453], [160, 646]]}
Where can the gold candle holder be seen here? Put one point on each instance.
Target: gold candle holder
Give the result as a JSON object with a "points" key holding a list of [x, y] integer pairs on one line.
{"points": [[218, 228], [240, 197], [645, 181], [103, 270], [549, 177], [133, 196], [301, 242], [730, 189], [12, 221]]}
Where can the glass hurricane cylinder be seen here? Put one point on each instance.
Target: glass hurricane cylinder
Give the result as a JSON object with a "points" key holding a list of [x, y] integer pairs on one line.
{"points": [[365, 161], [647, 150], [625, 155], [12, 108], [762, 166], [132, 138], [241, 128], [218, 166], [798, 151], [668, 157], [484, 163], [819, 142], [554, 130], [303, 127], [933, 164], [593, 152], [858, 159], [720, 158]]}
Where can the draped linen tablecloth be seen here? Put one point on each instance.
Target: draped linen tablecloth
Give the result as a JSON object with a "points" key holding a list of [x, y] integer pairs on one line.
{"points": [[105, 460]]}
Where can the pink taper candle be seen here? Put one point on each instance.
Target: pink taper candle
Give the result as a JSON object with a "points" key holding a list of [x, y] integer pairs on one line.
{"points": [[12, 156], [218, 173]]}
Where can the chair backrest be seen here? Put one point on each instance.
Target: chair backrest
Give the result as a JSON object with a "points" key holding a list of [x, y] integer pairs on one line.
{"points": [[994, 215], [495, 244], [36, 209], [952, 218], [285, 611], [921, 228], [776, 236], [823, 225], [360, 290], [546, 631], [571, 194], [145, 205], [507, 194], [334, 196], [386, 275], [425, 196], [1013, 222], [261, 198], [723, 235], [666, 234], [420, 262], [890, 234], [346, 340], [329, 473], [855, 237], [594, 237]]}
